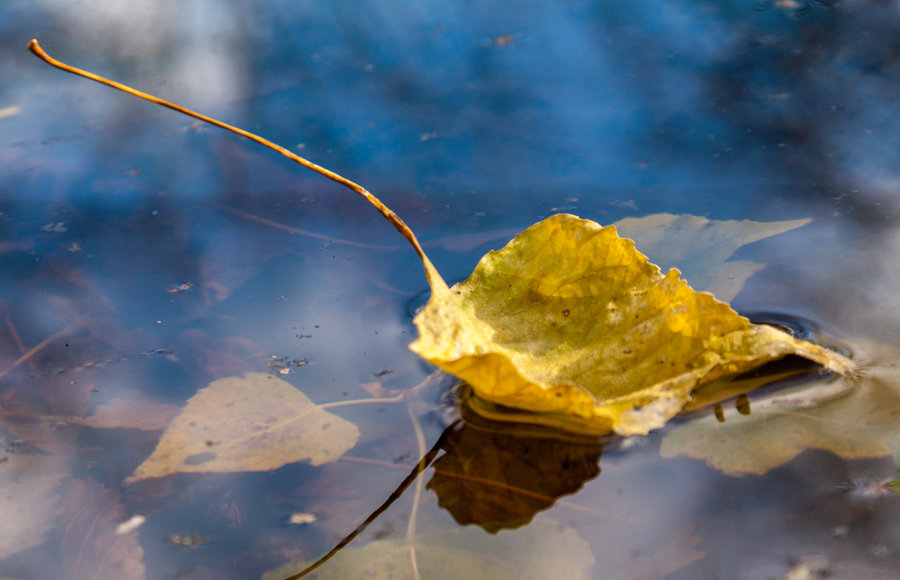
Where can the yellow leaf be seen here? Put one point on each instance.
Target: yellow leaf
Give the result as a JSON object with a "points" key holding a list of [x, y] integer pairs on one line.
{"points": [[252, 423], [855, 416], [571, 321]]}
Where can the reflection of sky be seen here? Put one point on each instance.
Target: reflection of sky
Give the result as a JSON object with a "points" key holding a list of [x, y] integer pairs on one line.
{"points": [[467, 118], [661, 102]]}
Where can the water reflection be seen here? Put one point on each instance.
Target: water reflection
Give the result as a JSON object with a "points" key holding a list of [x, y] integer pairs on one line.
{"points": [[499, 475], [473, 121], [566, 105]]}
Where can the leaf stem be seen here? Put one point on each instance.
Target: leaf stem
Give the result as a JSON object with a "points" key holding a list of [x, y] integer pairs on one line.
{"points": [[430, 271]]}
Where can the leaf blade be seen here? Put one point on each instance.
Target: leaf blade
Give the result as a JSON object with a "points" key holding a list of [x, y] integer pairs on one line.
{"points": [[570, 319]]}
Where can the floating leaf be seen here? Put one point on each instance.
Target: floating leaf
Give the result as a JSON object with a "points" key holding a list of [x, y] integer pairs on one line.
{"points": [[252, 423], [542, 550], [30, 500], [855, 416], [571, 321], [699, 247]]}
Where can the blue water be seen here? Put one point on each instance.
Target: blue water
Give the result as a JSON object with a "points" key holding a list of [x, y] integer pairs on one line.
{"points": [[138, 231]]}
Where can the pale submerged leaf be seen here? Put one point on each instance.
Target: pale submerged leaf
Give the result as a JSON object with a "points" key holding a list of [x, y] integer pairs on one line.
{"points": [[252, 423], [30, 500], [540, 551], [700, 248], [854, 416]]}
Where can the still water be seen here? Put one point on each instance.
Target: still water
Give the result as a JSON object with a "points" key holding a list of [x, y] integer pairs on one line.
{"points": [[144, 256]]}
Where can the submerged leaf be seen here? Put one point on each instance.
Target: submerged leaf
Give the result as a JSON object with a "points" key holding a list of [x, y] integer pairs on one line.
{"points": [[91, 546], [855, 416], [542, 550], [680, 552], [570, 320], [131, 411], [252, 423], [700, 247], [30, 500]]}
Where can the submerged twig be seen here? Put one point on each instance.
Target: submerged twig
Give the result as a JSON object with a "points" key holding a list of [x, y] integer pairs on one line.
{"points": [[298, 231], [395, 399], [417, 496], [34, 350], [21, 345], [423, 463]]}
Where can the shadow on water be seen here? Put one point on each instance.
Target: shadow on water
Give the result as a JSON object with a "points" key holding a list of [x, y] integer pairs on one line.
{"points": [[144, 257]]}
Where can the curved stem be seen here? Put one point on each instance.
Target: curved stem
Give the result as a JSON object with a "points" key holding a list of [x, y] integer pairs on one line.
{"points": [[430, 271]]}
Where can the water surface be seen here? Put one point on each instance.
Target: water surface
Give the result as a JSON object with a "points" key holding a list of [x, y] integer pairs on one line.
{"points": [[154, 256]]}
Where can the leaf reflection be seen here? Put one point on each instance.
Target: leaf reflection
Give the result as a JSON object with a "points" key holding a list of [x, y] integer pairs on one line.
{"points": [[498, 476]]}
